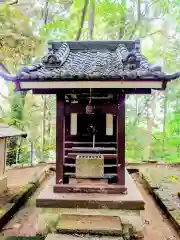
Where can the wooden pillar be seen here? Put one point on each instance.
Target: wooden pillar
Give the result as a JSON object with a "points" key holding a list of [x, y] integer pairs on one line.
{"points": [[60, 137], [121, 140]]}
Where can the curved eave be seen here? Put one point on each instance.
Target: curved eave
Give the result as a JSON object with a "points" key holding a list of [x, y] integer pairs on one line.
{"points": [[68, 85], [24, 135], [95, 82]]}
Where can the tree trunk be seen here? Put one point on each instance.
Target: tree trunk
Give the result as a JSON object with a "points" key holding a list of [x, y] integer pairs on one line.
{"points": [[43, 128], [164, 120], [122, 21], [91, 19], [17, 109], [151, 113], [84, 10]]}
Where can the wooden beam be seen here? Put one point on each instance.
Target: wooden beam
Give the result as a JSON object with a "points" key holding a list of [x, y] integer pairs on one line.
{"points": [[94, 84], [78, 91], [121, 140], [81, 108], [81, 45], [87, 138], [88, 143], [60, 138]]}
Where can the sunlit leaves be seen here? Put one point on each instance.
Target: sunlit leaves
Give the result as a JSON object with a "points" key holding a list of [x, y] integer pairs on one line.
{"points": [[16, 37], [65, 24], [114, 19], [110, 18]]}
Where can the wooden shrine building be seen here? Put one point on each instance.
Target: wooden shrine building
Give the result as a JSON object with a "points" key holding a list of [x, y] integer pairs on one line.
{"points": [[91, 80], [6, 132]]}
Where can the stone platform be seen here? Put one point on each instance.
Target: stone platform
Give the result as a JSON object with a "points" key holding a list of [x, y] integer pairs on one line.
{"points": [[130, 201]]}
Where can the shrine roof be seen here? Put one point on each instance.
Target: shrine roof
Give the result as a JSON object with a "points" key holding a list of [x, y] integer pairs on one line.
{"points": [[93, 60], [9, 131]]}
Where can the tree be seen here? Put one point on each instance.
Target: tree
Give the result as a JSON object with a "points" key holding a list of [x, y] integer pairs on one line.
{"points": [[24, 37]]}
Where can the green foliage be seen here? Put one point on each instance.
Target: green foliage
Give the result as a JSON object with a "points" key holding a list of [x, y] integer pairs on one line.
{"points": [[17, 40], [157, 24]]}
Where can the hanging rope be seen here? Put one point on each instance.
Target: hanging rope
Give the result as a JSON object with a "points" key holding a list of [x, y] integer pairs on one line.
{"points": [[90, 107]]}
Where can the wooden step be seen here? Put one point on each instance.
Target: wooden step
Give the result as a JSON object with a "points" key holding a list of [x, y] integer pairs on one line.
{"points": [[73, 165], [90, 150], [106, 176], [94, 149], [86, 138], [106, 155], [87, 144], [89, 224]]}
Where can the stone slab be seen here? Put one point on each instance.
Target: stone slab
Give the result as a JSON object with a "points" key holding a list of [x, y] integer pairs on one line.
{"points": [[49, 218], [89, 224], [78, 237], [3, 184], [130, 201]]}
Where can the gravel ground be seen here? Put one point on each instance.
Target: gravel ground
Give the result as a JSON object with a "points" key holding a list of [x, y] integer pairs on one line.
{"points": [[156, 224]]}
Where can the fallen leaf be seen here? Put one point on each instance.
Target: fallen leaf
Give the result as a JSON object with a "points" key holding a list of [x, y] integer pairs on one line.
{"points": [[17, 225]]}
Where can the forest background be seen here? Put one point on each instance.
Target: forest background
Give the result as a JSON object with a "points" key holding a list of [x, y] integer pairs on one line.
{"points": [[152, 122]]}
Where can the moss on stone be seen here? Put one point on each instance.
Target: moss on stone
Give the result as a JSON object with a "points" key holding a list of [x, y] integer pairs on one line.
{"points": [[48, 221]]}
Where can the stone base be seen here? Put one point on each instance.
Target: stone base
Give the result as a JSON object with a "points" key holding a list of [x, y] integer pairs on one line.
{"points": [[130, 201], [3, 184]]}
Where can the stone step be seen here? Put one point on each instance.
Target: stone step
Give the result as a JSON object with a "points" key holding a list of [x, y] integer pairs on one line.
{"points": [[131, 221], [90, 224], [78, 237]]}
